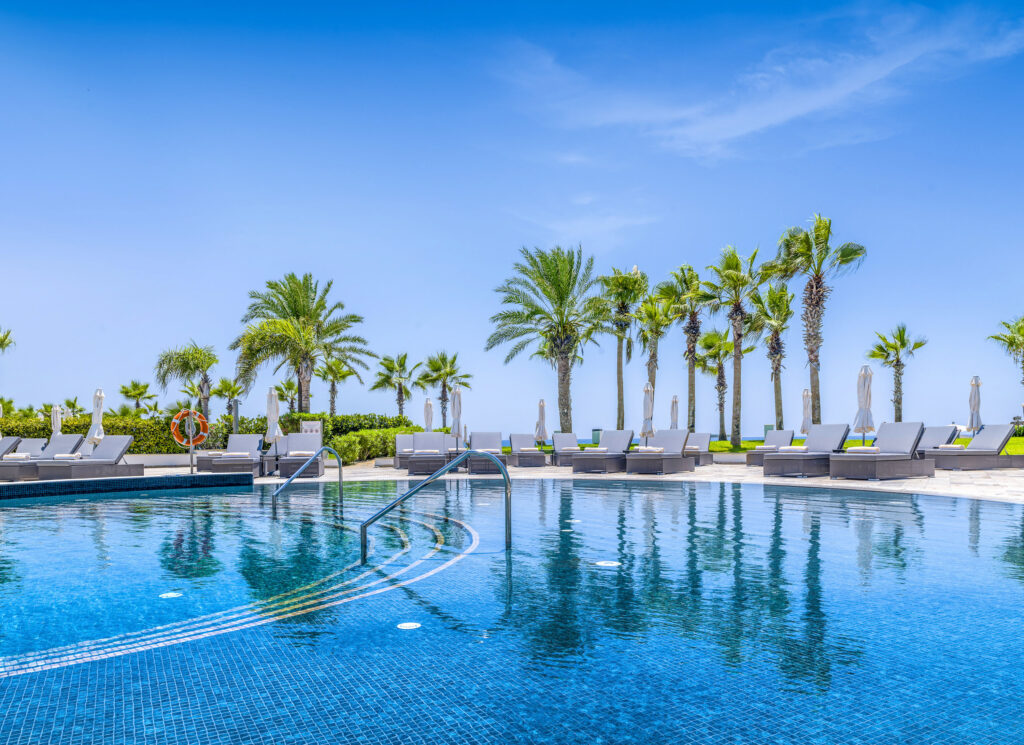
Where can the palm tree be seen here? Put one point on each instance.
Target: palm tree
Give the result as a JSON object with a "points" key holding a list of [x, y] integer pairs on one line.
{"points": [[6, 340], [152, 409], [894, 351], [684, 293], [735, 280], [653, 317], [123, 410], [189, 364], [7, 406], [811, 254], [294, 324], [179, 405], [396, 375], [550, 302], [715, 348], [137, 392], [334, 371], [289, 391], [227, 389], [72, 407], [1012, 341], [443, 371], [772, 312], [622, 291]]}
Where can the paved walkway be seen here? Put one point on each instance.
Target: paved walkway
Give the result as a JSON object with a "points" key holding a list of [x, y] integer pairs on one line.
{"points": [[1002, 485]]}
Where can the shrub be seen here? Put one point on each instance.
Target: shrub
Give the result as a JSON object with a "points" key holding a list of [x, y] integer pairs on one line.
{"points": [[151, 435], [343, 423], [365, 444]]}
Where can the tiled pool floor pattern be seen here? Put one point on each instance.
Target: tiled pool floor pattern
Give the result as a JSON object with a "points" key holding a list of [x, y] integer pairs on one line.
{"points": [[735, 614]]}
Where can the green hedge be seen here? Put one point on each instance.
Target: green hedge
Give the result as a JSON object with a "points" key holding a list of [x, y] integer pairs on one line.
{"points": [[365, 444], [151, 435], [341, 424]]}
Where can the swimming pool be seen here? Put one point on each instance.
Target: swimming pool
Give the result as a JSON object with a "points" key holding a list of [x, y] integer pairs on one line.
{"points": [[626, 612]]}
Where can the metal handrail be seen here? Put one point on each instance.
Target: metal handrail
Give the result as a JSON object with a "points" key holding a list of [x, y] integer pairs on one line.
{"points": [[454, 463], [341, 483]]}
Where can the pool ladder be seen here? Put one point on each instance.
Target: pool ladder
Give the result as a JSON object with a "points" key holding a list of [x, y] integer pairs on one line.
{"points": [[454, 463]]}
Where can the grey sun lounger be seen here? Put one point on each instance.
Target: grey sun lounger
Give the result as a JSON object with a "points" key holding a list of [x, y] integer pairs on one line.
{"points": [[525, 453], [982, 452], [896, 444], [429, 452], [104, 461], [565, 445], [671, 443], [811, 458], [9, 445], [698, 447], [932, 437], [244, 454], [490, 443], [27, 469], [298, 448], [773, 440], [403, 449], [610, 457]]}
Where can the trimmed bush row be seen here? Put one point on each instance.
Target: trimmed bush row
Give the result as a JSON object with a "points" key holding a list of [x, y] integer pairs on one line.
{"points": [[365, 444], [344, 423]]}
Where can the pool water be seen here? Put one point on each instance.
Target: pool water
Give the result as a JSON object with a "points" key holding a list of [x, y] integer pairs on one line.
{"points": [[627, 612]]}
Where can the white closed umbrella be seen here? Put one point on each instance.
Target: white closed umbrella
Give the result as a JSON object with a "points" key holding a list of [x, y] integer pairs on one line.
{"points": [[647, 426], [974, 420], [56, 418], [864, 422], [456, 413], [805, 424], [540, 432], [428, 415], [274, 431], [1, 412], [95, 434], [674, 413]]}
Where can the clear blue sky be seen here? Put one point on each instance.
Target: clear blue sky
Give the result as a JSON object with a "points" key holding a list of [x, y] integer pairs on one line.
{"points": [[157, 161]]}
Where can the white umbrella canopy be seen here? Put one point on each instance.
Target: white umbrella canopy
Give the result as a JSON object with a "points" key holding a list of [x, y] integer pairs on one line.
{"points": [[428, 415], [1, 412], [805, 424], [674, 413], [540, 432], [456, 412], [647, 426], [274, 431], [974, 420], [56, 418], [95, 434], [864, 422]]}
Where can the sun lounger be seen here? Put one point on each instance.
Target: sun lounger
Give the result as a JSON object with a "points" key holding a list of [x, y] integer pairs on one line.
{"points": [[565, 445], [298, 448], [933, 437], [429, 452], [663, 453], [8, 445], [698, 447], [982, 452], [811, 458], [773, 440], [610, 457], [104, 461], [403, 449], [487, 442], [16, 467], [525, 453], [244, 454], [891, 457]]}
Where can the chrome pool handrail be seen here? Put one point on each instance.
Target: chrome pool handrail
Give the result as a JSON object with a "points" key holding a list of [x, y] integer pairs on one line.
{"points": [[341, 484], [454, 463]]}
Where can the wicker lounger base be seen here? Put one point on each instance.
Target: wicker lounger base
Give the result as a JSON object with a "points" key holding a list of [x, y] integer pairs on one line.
{"points": [[599, 463], [796, 465], [204, 463], [289, 466], [976, 461], [528, 459], [402, 460], [236, 466], [52, 472], [702, 459], [485, 465], [564, 460], [878, 469], [756, 457], [659, 463], [19, 471], [424, 465]]}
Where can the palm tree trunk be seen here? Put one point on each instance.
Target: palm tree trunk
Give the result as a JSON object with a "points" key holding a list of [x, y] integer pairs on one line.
{"points": [[897, 391], [777, 377], [334, 396], [692, 334], [620, 411], [737, 381], [444, 404], [305, 376], [204, 394], [652, 364], [564, 393], [400, 396], [721, 386], [815, 294]]}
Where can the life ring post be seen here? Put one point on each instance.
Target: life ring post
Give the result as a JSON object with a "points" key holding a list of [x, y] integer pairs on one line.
{"points": [[191, 437]]}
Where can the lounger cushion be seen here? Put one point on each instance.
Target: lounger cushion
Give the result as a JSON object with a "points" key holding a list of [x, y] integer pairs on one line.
{"points": [[300, 453], [863, 449], [67, 456], [694, 448], [489, 450], [569, 450], [241, 454], [951, 447], [423, 452], [649, 449], [17, 456], [793, 449], [596, 450], [770, 448], [529, 450]]}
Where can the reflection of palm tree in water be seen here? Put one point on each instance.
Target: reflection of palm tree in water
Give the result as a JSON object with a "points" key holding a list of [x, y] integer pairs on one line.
{"points": [[188, 553], [1013, 552]]}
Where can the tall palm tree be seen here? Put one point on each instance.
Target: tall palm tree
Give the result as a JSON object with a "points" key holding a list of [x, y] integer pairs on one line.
{"points": [[227, 389], [772, 312], [443, 371], [288, 390], [735, 280], [714, 350], [136, 391], [332, 372], [1012, 341], [72, 407], [6, 340], [396, 375], [622, 291], [294, 324], [653, 319], [550, 302], [190, 363], [811, 254], [684, 293], [894, 351]]}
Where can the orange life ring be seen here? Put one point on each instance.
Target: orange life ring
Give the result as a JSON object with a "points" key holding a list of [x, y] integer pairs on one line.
{"points": [[197, 437]]}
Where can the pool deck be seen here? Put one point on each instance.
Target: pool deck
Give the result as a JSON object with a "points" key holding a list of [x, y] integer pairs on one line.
{"points": [[1000, 485]]}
